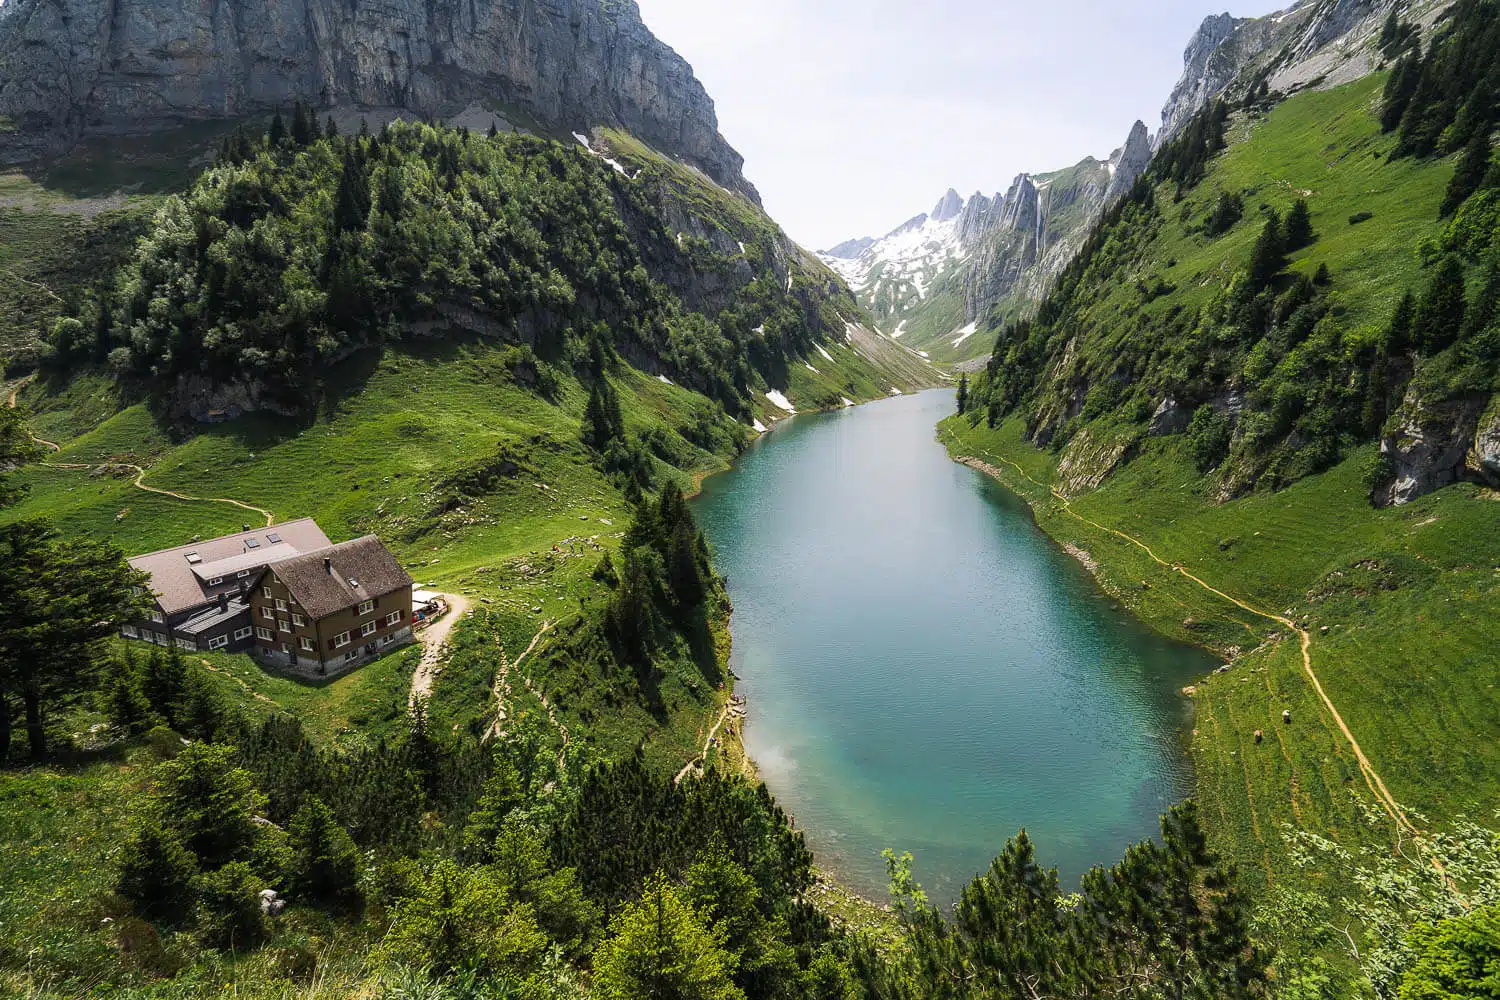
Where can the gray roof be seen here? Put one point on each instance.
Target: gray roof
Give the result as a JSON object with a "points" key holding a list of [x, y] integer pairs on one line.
{"points": [[178, 575], [213, 617], [340, 576]]}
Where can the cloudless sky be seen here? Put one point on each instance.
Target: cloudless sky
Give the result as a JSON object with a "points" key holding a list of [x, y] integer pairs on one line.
{"points": [[854, 115]]}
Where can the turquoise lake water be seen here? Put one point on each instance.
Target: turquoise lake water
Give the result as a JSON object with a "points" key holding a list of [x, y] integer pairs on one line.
{"points": [[925, 669]]}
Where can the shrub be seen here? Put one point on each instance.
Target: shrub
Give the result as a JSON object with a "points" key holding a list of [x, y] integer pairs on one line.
{"points": [[1208, 437], [229, 913], [1359, 217]]}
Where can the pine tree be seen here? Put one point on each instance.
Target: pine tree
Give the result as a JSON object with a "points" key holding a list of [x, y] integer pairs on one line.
{"points": [[1399, 89], [277, 135], [603, 420], [1322, 277], [304, 125], [1299, 230], [325, 863], [157, 873], [1469, 174], [1440, 315], [1266, 259], [1399, 338], [351, 207], [963, 393], [330, 128]]}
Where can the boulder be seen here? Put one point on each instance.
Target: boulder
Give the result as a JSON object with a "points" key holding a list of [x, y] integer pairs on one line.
{"points": [[1169, 418], [1429, 447]]}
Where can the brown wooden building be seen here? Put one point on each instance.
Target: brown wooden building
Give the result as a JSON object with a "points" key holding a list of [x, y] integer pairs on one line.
{"points": [[327, 611]]}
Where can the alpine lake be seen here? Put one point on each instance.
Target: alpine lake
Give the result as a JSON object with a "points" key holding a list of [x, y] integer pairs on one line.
{"points": [[926, 670]]}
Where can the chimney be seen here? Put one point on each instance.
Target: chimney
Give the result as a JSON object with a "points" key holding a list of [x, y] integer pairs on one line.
{"points": [[224, 601], [244, 528], [328, 566]]}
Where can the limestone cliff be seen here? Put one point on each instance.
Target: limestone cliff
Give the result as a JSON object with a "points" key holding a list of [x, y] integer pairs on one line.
{"points": [[69, 68]]}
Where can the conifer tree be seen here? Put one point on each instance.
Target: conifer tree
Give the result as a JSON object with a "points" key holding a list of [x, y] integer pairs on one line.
{"points": [[325, 863], [277, 135], [1400, 86], [351, 207], [1399, 338], [304, 125], [1266, 259], [330, 128], [1299, 230], [1469, 174], [1440, 315], [963, 393], [157, 873]]}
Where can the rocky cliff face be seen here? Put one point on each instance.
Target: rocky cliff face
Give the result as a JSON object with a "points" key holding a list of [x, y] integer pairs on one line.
{"points": [[1312, 42], [72, 67]]}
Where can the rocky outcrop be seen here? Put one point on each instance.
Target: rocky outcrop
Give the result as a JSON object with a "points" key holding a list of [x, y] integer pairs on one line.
{"points": [[1483, 460], [1322, 42], [1170, 418], [1127, 165], [1205, 72], [69, 68], [1430, 446], [979, 216], [948, 207], [851, 249]]}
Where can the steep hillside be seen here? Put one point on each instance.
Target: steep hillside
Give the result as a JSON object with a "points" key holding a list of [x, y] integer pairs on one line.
{"points": [[935, 280], [1244, 408]]}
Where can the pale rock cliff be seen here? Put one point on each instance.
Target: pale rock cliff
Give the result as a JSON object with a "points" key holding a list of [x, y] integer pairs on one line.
{"points": [[69, 68]]}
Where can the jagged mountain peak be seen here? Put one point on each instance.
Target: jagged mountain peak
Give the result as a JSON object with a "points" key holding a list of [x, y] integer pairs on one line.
{"points": [[948, 207], [850, 249]]}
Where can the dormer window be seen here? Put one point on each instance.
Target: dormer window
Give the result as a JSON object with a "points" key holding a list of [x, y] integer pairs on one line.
{"points": [[216, 581]]}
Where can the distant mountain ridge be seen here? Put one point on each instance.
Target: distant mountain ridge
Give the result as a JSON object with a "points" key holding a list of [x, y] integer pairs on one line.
{"points": [[932, 281], [71, 68]]}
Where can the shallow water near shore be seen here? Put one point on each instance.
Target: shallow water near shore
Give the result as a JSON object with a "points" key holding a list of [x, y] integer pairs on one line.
{"points": [[925, 669]]}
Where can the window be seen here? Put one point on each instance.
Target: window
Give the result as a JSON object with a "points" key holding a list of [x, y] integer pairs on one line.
{"points": [[273, 538], [368, 628], [160, 639], [242, 574], [342, 639], [157, 616], [386, 640], [351, 656], [266, 591], [216, 581], [307, 645], [129, 631], [193, 558], [394, 618], [298, 620], [243, 633], [367, 607], [280, 605], [186, 644], [267, 614], [284, 625], [252, 543], [218, 642], [263, 633]]}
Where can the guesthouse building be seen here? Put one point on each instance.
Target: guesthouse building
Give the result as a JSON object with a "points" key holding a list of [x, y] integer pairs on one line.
{"points": [[327, 611]]}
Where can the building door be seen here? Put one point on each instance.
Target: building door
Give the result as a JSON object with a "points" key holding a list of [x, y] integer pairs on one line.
{"points": [[291, 656]]}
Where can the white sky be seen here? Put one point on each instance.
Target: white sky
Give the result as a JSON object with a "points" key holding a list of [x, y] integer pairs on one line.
{"points": [[854, 115]]}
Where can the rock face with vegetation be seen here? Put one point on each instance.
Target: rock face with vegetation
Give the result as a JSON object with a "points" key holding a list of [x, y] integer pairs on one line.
{"points": [[80, 66]]}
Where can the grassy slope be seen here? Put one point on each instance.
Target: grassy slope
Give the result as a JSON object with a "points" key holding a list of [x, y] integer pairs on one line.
{"points": [[1408, 596]]}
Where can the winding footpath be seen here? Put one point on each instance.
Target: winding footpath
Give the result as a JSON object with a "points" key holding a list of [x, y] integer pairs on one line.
{"points": [[1372, 777], [140, 473], [708, 743], [434, 645], [502, 684]]}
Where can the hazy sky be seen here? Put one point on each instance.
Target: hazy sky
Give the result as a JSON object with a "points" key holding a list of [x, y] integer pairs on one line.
{"points": [[854, 115]]}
